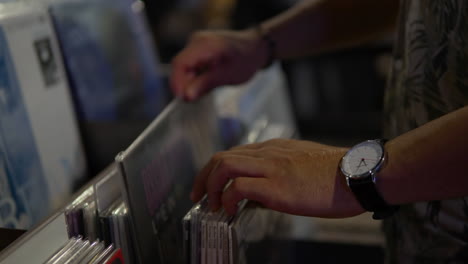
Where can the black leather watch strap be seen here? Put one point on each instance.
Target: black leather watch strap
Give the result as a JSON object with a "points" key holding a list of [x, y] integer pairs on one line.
{"points": [[369, 198]]}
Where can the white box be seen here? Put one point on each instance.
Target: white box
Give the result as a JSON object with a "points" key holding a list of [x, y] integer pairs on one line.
{"points": [[41, 148]]}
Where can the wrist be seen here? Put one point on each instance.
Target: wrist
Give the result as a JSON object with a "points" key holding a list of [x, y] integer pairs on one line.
{"points": [[389, 182], [266, 45], [270, 44], [362, 166]]}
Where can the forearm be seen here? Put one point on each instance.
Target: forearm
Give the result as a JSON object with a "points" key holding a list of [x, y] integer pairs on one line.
{"points": [[321, 25], [428, 163]]}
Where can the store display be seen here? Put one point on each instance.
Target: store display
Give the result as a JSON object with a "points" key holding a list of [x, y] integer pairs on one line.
{"points": [[99, 213], [81, 251], [159, 168], [195, 235], [107, 188], [216, 237], [138, 209], [186, 237], [41, 156], [75, 216], [114, 258], [110, 58]]}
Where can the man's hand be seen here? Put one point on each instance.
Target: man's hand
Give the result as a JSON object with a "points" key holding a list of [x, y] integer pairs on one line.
{"points": [[292, 176], [215, 58]]}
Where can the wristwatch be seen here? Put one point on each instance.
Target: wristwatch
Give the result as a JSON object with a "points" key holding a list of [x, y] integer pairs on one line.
{"points": [[361, 165]]}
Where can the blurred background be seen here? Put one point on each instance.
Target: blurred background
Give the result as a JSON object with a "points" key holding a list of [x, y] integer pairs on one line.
{"points": [[330, 93]]}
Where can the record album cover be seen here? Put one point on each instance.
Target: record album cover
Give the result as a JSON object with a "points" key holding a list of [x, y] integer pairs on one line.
{"points": [[42, 159], [159, 168], [111, 59]]}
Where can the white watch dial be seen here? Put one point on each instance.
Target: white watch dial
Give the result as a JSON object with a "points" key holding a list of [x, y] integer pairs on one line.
{"points": [[362, 158]]}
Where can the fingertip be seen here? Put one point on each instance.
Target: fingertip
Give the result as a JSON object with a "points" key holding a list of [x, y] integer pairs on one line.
{"points": [[191, 94], [176, 87], [180, 79]]}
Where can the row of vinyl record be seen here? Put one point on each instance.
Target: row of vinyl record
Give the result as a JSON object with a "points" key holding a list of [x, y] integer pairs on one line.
{"points": [[218, 238], [82, 251], [100, 214], [139, 203], [64, 61]]}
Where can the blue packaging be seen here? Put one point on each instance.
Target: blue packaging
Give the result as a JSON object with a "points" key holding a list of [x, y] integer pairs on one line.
{"points": [[110, 59], [23, 189]]}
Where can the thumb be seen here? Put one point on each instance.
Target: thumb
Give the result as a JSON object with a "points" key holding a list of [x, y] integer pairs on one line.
{"points": [[255, 189], [201, 85]]}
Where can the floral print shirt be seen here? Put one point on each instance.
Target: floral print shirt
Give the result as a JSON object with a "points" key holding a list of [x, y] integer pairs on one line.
{"points": [[429, 78]]}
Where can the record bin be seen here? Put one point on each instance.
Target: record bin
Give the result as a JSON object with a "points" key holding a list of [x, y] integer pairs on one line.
{"points": [[142, 197]]}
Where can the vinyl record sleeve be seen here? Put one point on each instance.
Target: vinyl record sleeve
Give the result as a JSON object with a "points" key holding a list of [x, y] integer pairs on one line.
{"points": [[213, 236], [69, 244], [186, 223], [41, 157], [74, 213], [72, 253], [195, 230], [95, 250], [78, 254], [103, 255], [204, 215], [115, 258], [90, 221], [83, 254], [236, 232], [121, 214], [78, 221], [222, 238], [159, 168], [108, 189], [112, 65], [106, 224]]}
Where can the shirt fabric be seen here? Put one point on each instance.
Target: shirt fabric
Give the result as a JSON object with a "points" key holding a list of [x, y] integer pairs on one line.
{"points": [[429, 78]]}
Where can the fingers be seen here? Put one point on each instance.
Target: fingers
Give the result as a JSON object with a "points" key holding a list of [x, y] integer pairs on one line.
{"points": [[195, 70], [211, 59], [199, 187], [192, 79], [200, 183], [254, 189], [248, 160], [222, 168], [202, 83], [184, 73]]}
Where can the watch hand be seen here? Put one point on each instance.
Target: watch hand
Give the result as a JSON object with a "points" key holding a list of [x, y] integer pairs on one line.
{"points": [[359, 165], [362, 162]]}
